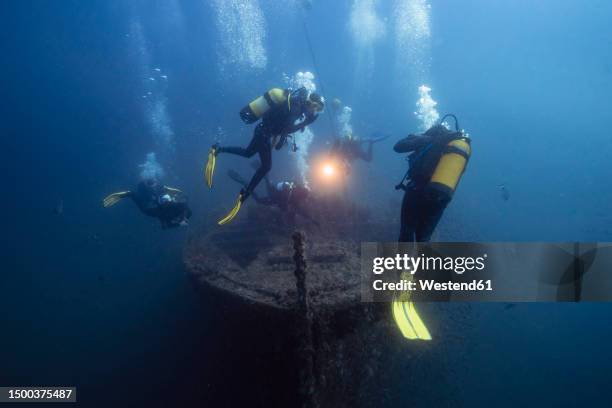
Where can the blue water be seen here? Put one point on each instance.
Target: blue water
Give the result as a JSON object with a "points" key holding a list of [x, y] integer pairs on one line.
{"points": [[98, 298]]}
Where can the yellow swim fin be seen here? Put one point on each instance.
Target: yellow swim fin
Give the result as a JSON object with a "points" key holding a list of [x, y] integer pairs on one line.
{"points": [[232, 214], [406, 317], [114, 198], [210, 166], [409, 321]]}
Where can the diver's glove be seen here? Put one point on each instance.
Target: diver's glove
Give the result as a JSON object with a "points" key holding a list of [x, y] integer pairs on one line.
{"points": [[114, 198]]}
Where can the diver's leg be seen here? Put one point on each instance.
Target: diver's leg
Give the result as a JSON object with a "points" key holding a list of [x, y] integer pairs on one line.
{"points": [[409, 215], [251, 149], [265, 155], [367, 155], [433, 208]]}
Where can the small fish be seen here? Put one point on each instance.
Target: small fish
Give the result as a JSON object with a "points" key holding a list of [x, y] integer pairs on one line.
{"points": [[59, 208], [505, 194], [157, 69], [164, 76]]}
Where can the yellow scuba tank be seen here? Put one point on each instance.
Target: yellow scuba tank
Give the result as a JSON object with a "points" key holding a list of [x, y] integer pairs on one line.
{"points": [[257, 108], [448, 172]]}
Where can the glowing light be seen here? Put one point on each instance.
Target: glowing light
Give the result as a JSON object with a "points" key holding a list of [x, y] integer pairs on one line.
{"points": [[328, 170], [327, 174]]}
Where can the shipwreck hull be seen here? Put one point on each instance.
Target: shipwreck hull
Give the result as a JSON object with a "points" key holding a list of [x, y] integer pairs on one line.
{"points": [[277, 346]]}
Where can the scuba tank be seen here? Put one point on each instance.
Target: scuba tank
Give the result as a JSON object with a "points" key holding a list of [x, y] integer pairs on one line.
{"points": [[258, 107], [440, 167], [452, 163]]}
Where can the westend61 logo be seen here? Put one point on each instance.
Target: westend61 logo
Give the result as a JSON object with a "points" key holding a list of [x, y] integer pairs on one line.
{"points": [[412, 264], [491, 272]]}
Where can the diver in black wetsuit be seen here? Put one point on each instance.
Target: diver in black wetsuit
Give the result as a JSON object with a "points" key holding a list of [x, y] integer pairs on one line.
{"points": [[289, 197], [276, 124], [167, 204], [279, 110], [349, 148], [439, 157]]}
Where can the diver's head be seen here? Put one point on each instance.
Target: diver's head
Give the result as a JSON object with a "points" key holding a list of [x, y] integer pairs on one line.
{"points": [[315, 103], [436, 130], [151, 182]]}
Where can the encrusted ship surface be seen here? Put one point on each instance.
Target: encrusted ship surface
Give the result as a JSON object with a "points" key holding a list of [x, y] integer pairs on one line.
{"points": [[257, 264], [253, 257], [329, 349]]}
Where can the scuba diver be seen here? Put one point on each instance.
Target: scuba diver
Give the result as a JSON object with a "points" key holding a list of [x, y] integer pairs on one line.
{"points": [[279, 110], [437, 161], [341, 156], [349, 148], [167, 204], [290, 198]]}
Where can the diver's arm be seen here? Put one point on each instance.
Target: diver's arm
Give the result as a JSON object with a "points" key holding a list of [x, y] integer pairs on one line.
{"points": [[411, 143], [172, 189], [302, 125]]}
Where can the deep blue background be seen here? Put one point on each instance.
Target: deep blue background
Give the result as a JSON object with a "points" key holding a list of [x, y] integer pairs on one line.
{"points": [[97, 298]]}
